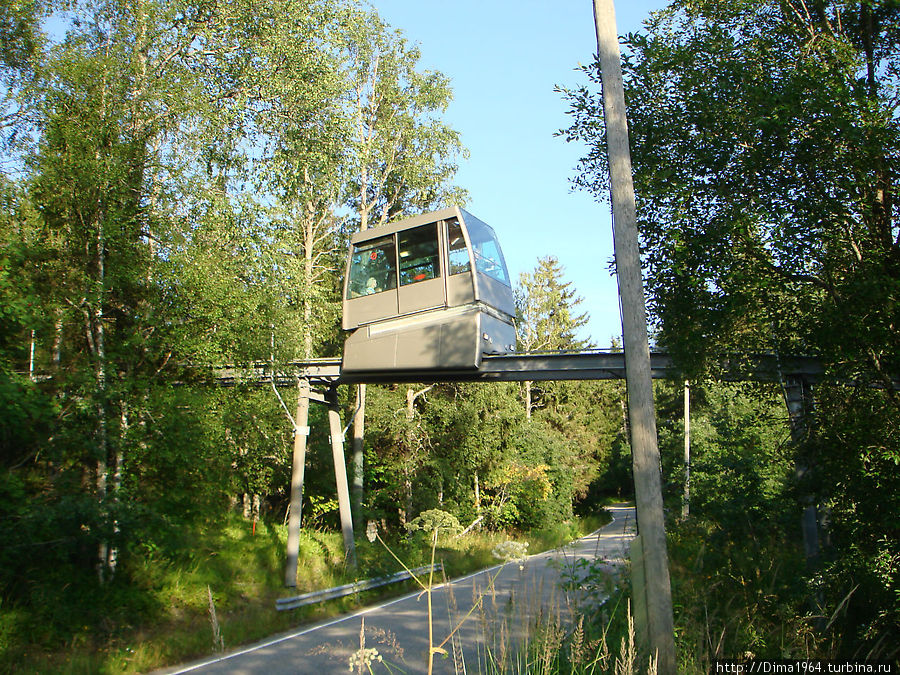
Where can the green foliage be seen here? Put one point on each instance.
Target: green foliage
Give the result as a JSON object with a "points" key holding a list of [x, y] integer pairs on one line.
{"points": [[764, 143], [176, 178], [739, 594], [589, 417], [403, 154], [856, 458], [741, 460], [758, 177], [155, 614], [528, 474], [739, 584], [761, 179]]}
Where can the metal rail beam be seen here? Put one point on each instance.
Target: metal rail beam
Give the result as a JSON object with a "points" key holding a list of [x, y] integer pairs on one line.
{"points": [[583, 365]]}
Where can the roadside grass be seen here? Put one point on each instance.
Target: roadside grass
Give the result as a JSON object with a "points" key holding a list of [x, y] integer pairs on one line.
{"points": [[740, 596], [735, 597], [584, 626], [156, 611], [556, 644]]}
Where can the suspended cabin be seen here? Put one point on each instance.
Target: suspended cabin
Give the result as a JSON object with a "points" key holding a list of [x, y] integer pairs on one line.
{"points": [[430, 292]]}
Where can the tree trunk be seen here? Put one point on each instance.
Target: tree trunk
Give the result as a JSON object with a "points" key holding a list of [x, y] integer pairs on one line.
{"points": [[528, 399], [118, 458], [301, 432], [407, 494], [97, 335], [57, 339], [31, 358], [99, 342], [477, 495], [308, 253]]}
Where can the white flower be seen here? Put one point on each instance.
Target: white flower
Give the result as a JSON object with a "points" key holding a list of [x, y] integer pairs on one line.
{"points": [[364, 658], [509, 551]]}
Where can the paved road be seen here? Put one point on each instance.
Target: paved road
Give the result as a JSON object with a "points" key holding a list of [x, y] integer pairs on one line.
{"points": [[495, 607]]}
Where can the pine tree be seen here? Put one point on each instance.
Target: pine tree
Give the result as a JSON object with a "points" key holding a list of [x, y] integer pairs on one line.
{"points": [[548, 318]]}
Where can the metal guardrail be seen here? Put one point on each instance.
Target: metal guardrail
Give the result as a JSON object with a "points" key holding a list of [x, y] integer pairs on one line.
{"points": [[314, 597]]}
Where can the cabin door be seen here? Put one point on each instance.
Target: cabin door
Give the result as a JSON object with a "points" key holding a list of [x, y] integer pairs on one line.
{"points": [[419, 266]]}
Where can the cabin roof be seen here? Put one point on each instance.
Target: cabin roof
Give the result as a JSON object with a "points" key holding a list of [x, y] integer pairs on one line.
{"points": [[407, 223]]}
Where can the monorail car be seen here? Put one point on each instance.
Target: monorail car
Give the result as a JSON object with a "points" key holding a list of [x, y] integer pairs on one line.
{"points": [[431, 292]]}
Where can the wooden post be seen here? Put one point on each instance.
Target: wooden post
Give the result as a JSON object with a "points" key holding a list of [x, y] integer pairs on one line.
{"points": [[641, 412], [340, 474], [686, 500], [301, 433], [639, 596]]}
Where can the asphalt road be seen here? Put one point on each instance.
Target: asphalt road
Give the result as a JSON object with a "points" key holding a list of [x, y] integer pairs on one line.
{"points": [[494, 610]]}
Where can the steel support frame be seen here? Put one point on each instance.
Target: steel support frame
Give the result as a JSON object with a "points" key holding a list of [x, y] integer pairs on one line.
{"points": [[584, 365], [552, 366], [301, 434]]}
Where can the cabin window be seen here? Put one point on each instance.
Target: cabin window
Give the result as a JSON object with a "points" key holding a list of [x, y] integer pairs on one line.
{"points": [[488, 258], [373, 267], [419, 259], [459, 254]]}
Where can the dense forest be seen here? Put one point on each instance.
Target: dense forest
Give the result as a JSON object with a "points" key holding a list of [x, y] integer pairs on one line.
{"points": [[179, 183]]}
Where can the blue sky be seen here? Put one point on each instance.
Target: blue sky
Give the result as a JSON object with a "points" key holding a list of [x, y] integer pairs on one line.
{"points": [[503, 59]]}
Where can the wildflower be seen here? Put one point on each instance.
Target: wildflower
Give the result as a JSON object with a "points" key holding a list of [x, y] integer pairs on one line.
{"points": [[364, 658], [512, 551]]}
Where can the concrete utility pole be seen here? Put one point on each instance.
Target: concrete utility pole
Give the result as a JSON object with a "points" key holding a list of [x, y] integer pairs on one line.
{"points": [[340, 473], [301, 433], [641, 412], [356, 487]]}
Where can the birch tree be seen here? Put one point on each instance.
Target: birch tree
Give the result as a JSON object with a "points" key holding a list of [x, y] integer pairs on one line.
{"points": [[303, 135], [403, 156]]}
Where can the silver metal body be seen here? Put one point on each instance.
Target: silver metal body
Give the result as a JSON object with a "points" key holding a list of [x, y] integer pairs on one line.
{"points": [[429, 292]]}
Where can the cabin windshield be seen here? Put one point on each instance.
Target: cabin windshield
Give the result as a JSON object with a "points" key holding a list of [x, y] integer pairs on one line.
{"points": [[488, 257], [373, 267]]}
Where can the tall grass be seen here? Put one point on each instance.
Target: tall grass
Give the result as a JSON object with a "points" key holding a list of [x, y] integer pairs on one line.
{"points": [[739, 596], [575, 632]]}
